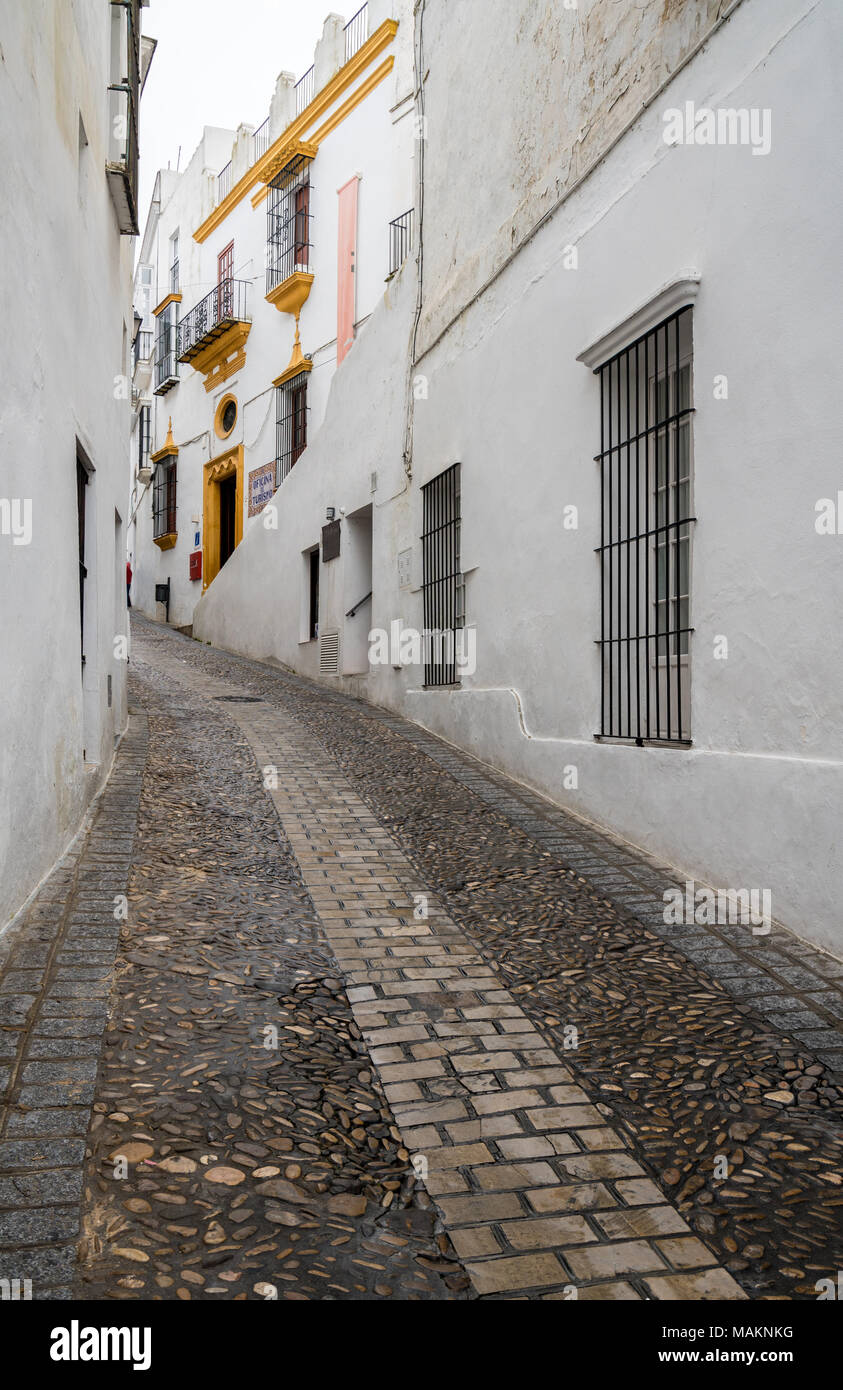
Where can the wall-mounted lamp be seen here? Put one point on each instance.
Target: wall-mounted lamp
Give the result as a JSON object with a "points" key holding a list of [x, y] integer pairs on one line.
{"points": [[330, 513]]}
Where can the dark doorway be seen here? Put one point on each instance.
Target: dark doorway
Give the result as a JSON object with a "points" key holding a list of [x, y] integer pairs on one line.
{"points": [[313, 621], [228, 503], [81, 485]]}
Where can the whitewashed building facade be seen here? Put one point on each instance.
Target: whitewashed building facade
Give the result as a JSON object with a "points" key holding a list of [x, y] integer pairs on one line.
{"points": [[260, 265], [71, 82], [592, 430]]}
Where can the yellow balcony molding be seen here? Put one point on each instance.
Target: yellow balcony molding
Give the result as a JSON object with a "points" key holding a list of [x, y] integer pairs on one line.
{"points": [[216, 470], [292, 293], [322, 102], [174, 298], [167, 542], [169, 449], [222, 357]]}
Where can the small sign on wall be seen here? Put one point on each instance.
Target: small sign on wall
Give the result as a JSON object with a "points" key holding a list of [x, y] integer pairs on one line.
{"points": [[196, 565], [261, 487], [405, 569]]}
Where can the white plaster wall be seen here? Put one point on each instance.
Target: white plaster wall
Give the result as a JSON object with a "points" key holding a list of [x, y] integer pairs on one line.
{"points": [[67, 296], [758, 800]]}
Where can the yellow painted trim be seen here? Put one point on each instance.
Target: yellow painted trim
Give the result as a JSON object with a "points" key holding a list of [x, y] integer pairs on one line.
{"points": [[293, 150], [232, 340], [354, 100], [291, 294], [167, 542], [174, 298], [341, 112], [169, 449], [294, 369], [215, 471], [221, 373], [321, 102], [218, 414]]}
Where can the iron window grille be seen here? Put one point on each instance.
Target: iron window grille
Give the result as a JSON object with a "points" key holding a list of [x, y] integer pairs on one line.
{"points": [[142, 347], [356, 32], [174, 263], [400, 240], [224, 182], [290, 425], [289, 218], [164, 501], [144, 434], [646, 469], [225, 305], [166, 353], [442, 580]]}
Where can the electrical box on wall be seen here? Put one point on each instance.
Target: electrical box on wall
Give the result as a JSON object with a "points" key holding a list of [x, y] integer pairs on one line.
{"points": [[196, 565]]}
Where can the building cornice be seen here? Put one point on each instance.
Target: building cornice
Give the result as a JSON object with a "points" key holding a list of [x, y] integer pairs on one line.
{"points": [[315, 109]]}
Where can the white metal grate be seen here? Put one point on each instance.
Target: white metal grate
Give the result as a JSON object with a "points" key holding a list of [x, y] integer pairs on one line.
{"points": [[329, 653]]}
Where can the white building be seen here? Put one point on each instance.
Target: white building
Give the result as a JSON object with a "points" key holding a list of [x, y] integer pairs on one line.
{"points": [[260, 265], [71, 81], [612, 450]]}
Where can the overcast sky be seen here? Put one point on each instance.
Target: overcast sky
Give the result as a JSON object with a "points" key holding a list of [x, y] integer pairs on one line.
{"points": [[216, 64]]}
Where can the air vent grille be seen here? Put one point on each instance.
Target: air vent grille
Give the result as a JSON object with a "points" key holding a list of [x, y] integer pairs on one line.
{"points": [[329, 653]]}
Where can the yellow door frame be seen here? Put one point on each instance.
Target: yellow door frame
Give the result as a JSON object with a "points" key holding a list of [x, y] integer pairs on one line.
{"points": [[216, 471]]}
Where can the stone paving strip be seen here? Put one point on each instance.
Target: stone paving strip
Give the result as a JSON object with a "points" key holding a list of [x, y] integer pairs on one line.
{"points": [[538, 1191], [684, 1034], [55, 981]]}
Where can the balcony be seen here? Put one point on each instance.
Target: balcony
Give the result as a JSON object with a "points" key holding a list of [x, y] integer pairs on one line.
{"points": [[400, 241], [212, 337]]}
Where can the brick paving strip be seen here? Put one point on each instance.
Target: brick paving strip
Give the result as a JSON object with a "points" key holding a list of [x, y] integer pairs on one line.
{"points": [[539, 1193], [57, 966]]}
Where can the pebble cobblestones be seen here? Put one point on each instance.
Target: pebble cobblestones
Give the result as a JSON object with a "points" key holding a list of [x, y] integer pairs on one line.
{"points": [[383, 1024]]}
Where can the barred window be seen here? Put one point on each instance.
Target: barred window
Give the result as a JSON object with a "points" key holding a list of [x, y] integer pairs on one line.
{"points": [[288, 222], [164, 500], [144, 426], [290, 424], [646, 465], [166, 358], [442, 581]]}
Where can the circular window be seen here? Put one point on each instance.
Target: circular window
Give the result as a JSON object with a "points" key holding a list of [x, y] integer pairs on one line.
{"points": [[226, 416]]}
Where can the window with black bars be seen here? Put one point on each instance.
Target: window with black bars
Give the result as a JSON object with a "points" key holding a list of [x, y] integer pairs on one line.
{"points": [[144, 427], [288, 229], [646, 470], [164, 501], [166, 346], [442, 581], [291, 413]]}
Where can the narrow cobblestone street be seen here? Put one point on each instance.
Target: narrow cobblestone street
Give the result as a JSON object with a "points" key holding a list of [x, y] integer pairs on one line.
{"points": [[377, 1022]]}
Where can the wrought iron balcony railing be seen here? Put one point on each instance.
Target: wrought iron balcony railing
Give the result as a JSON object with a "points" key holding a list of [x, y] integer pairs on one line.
{"points": [[218, 311], [224, 182], [400, 240], [356, 31], [260, 141], [304, 90]]}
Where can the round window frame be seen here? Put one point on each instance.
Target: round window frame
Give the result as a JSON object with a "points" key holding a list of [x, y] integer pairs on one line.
{"points": [[219, 429]]}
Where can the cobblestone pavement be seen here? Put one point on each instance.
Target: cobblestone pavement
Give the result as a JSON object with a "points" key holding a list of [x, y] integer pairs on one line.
{"points": [[419, 936]]}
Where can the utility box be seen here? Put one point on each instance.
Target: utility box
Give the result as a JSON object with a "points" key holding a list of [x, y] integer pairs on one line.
{"points": [[196, 564]]}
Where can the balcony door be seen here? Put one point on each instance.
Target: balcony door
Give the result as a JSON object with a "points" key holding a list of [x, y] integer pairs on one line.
{"points": [[225, 282]]}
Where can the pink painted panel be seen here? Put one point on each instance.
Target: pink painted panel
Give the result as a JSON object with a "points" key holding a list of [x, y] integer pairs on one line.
{"points": [[346, 268]]}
